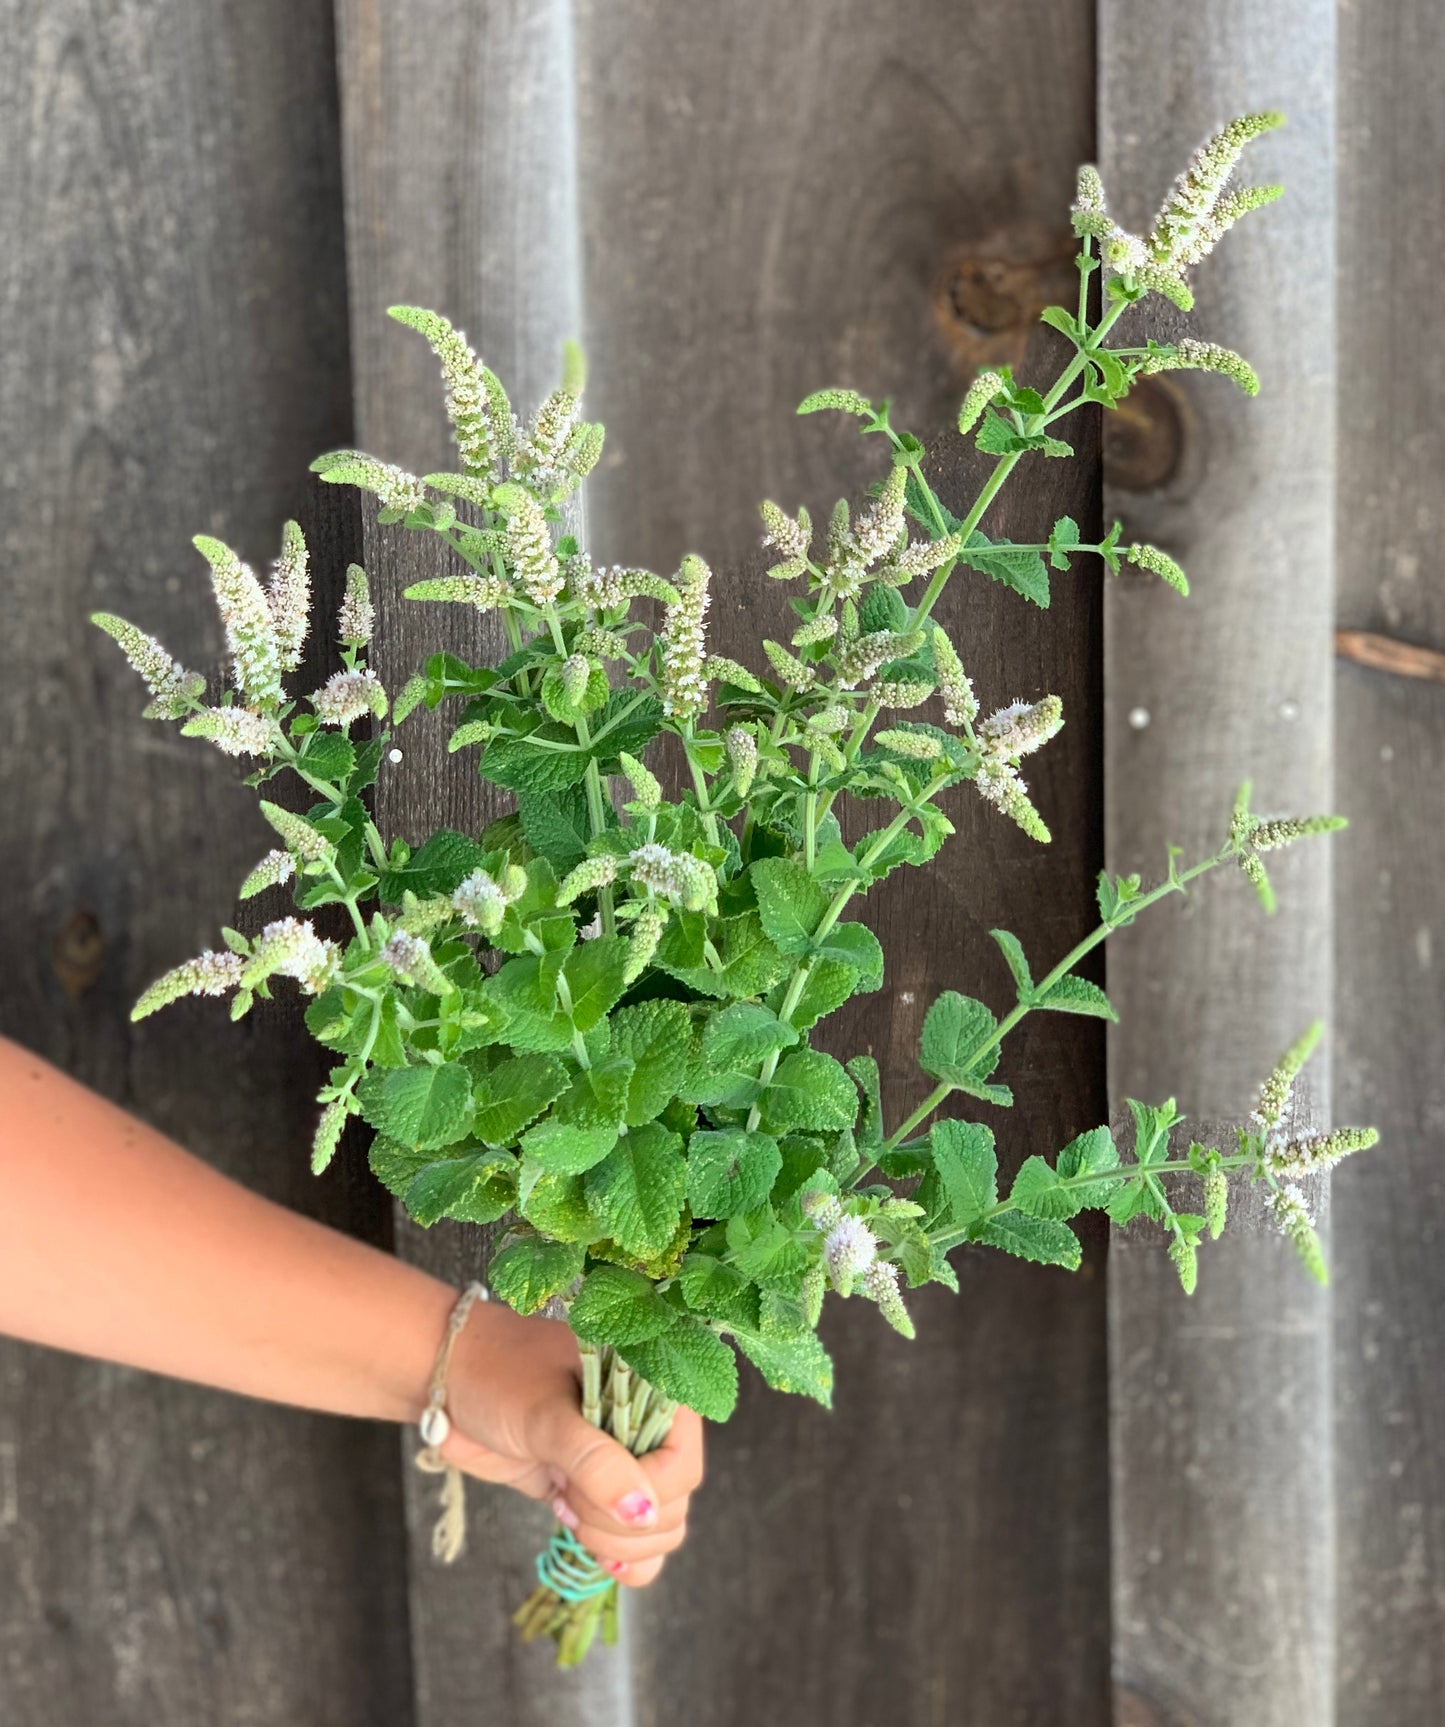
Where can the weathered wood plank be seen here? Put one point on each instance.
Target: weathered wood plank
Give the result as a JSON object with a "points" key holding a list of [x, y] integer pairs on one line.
{"points": [[1390, 1284], [461, 194], [777, 198], [1220, 1407], [172, 278]]}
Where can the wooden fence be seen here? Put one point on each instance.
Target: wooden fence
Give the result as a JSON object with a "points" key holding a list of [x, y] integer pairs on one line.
{"points": [[1072, 1500]]}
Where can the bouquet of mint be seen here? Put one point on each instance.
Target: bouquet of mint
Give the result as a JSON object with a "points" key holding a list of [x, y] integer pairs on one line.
{"points": [[593, 1022]]}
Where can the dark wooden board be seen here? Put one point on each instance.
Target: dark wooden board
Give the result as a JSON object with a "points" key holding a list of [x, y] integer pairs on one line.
{"points": [[1220, 1409], [1390, 1067], [776, 199], [176, 350]]}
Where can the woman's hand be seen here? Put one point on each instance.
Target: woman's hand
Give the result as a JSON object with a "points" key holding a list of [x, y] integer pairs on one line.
{"points": [[514, 1395]]}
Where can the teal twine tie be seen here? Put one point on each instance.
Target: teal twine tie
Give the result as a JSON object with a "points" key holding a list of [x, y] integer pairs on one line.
{"points": [[569, 1570]]}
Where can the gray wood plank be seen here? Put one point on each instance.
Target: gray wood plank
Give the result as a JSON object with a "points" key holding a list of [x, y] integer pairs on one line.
{"points": [[172, 278], [1220, 1408], [461, 195], [775, 199], [1390, 1362]]}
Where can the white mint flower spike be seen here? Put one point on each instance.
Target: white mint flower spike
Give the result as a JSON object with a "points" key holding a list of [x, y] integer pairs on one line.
{"points": [[346, 697], [684, 685], [173, 689], [234, 731], [274, 869], [246, 616], [471, 392], [288, 595], [529, 547], [849, 1248], [410, 958], [394, 488], [209, 973], [290, 947], [1022, 727], [356, 616], [480, 902]]}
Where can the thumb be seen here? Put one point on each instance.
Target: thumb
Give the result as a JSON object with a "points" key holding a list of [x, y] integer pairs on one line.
{"points": [[606, 1484]]}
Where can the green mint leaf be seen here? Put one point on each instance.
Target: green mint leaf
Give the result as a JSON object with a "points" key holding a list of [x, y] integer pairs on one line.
{"points": [[1017, 567], [528, 1272], [691, 1363], [475, 1188], [764, 1250], [596, 973], [810, 1090], [1063, 539], [790, 903], [331, 757], [799, 1364], [1062, 321], [828, 985], [563, 1148], [953, 1028], [556, 824], [618, 1306], [1013, 953], [436, 868], [547, 760], [854, 944], [1040, 1239], [750, 962], [556, 1205], [513, 1093], [1077, 995], [967, 1167], [719, 1290], [730, 1171], [424, 1107], [656, 1037], [864, 1072], [638, 1190]]}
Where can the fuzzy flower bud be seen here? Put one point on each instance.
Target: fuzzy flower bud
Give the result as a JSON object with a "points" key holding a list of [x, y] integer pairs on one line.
{"points": [[480, 902], [722, 670], [529, 547], [921, 558], [1216, 1201], [1021, 728], [917, 746], [821, 1208], [676, 876], [540, 456], [998, 784], [410, 958], [173, 689], [881, 525], [1271, 835], [210, 973], [646, 933], [469, 406], [246, 615], [791, 670], [588, 876], [1192, 356], [276, 867], [981, 392], [393, 487], [1185, 1255], [815, 1287], [645, 788], [1188, 223], [848, 1250], [792, 539], [1275, 1093], [234, 731], [483, 592], [960, 705], [859, 657], [299, 835], [901, 694], [1292, 1215], [742, 748], [881, 1285], [821, 629], [346, 696], [288, 594], [290, 947], [684, 682], [328, 1133], [356, 617], [576, 674], [602, 644], [1312, 1153], [1158, 563]]}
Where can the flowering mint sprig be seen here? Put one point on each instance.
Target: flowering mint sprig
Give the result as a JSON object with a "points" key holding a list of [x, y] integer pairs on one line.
{"points": [[594, 1021]]}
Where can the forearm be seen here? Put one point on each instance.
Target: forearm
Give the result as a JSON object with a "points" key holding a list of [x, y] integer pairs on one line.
{"points": [[114, 1242]]}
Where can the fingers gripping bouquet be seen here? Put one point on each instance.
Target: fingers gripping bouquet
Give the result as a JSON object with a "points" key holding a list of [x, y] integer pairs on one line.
{"points": [[594, 1020]]}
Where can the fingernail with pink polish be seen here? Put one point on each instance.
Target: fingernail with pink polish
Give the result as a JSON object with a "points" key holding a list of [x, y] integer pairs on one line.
{"points": [[564, 1513], [616, 1566], [637, 1508]]}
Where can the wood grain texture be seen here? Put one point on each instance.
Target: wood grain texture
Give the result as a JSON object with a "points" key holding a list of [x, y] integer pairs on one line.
{"points": [[1222, 1524], [1390, 1068], [172, 277], [777, 199], [460, 195]]}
